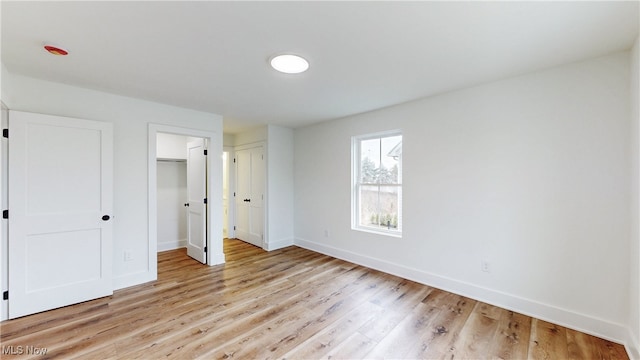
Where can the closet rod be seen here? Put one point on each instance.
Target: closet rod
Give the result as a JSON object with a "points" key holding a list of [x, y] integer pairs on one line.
{"points": [[171, 160]]}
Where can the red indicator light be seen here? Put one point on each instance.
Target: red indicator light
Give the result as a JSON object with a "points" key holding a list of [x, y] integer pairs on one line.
{"points": [[55, 50]]}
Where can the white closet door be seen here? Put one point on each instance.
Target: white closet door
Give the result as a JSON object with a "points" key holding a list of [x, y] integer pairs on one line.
{"points": [[243, 192], [250, 195], [60, 209], [197, 193], [257, 196]]}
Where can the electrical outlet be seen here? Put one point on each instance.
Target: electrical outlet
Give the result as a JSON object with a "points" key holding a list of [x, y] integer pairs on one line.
{"points": [[326, 233], [485, 266], [128, 255]]}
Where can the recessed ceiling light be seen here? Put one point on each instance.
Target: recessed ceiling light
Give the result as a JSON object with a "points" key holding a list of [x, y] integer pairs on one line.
{"points": [[289, 64], [55, 50]]}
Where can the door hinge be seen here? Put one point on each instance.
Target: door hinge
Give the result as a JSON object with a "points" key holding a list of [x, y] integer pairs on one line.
{"points": [[234, 228], [234, 160], [205, 249], [5, 214], [5, 133], [205, 200], [5, 295], [205, 152], [234, 194]]}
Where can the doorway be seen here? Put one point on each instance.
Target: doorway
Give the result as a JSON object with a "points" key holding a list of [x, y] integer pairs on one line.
{"points": [[171, 162], [205, 209], [182, 194]]}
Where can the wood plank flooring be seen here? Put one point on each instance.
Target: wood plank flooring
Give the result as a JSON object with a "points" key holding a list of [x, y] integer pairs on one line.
{"points": [[289, 304]]}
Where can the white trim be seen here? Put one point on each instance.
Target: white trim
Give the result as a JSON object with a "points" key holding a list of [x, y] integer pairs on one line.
{"points": [[252, 145], [282, 243], [378, 134], [172, 245], [380, 231], [128, 280], [214, 245], [216, 258], [564, 317], [231, 171]]}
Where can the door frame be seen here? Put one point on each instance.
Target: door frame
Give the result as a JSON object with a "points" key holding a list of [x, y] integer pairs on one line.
{"points": [[215, 254], [231, 188]]}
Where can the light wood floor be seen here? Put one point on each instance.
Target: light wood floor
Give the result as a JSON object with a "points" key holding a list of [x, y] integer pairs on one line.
{"points": [[293, 304]]}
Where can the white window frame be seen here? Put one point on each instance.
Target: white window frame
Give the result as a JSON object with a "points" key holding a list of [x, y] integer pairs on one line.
{"points": [[355, 185]]}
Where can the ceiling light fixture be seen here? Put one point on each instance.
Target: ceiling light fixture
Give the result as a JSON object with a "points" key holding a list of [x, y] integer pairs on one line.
{"points": [[55, 50], [289, 64]]}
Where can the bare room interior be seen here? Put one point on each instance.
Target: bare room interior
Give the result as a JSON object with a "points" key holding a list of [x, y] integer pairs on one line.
{"points": [[228, 179]]}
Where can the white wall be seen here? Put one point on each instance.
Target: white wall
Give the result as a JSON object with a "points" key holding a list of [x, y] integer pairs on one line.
{"points": [[279, 152], [172, 214], [172, 191], [634, 285], [228, 140], [530, 174], [131, 118], [255, 135], [4, 82], [170, 146]]}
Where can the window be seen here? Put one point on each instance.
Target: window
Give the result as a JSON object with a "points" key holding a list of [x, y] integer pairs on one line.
{"points": [[377, 183]]}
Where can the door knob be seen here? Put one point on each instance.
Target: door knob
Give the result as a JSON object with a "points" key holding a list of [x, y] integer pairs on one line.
{"points": [[106, 217], [187, 204]]}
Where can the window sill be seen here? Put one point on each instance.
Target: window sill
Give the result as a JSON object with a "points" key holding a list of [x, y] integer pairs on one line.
{"points": [[378, 232]]}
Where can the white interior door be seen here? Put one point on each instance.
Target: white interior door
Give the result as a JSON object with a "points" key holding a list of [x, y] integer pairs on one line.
{"points": [[250, 195], [197, 197], [60, 208], [243, 193], [257, 195]]}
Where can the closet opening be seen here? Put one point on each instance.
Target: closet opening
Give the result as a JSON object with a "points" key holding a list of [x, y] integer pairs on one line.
{"points": [[200, 152], [182, 194]]}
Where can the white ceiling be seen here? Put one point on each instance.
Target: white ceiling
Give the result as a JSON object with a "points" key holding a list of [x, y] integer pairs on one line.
{"points": [[213, 56]]}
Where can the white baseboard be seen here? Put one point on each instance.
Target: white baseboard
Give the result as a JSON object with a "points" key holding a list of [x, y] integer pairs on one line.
{"points": [[279, 244], [564, 317], [134, 279], [217, 259], [172, 245]]}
